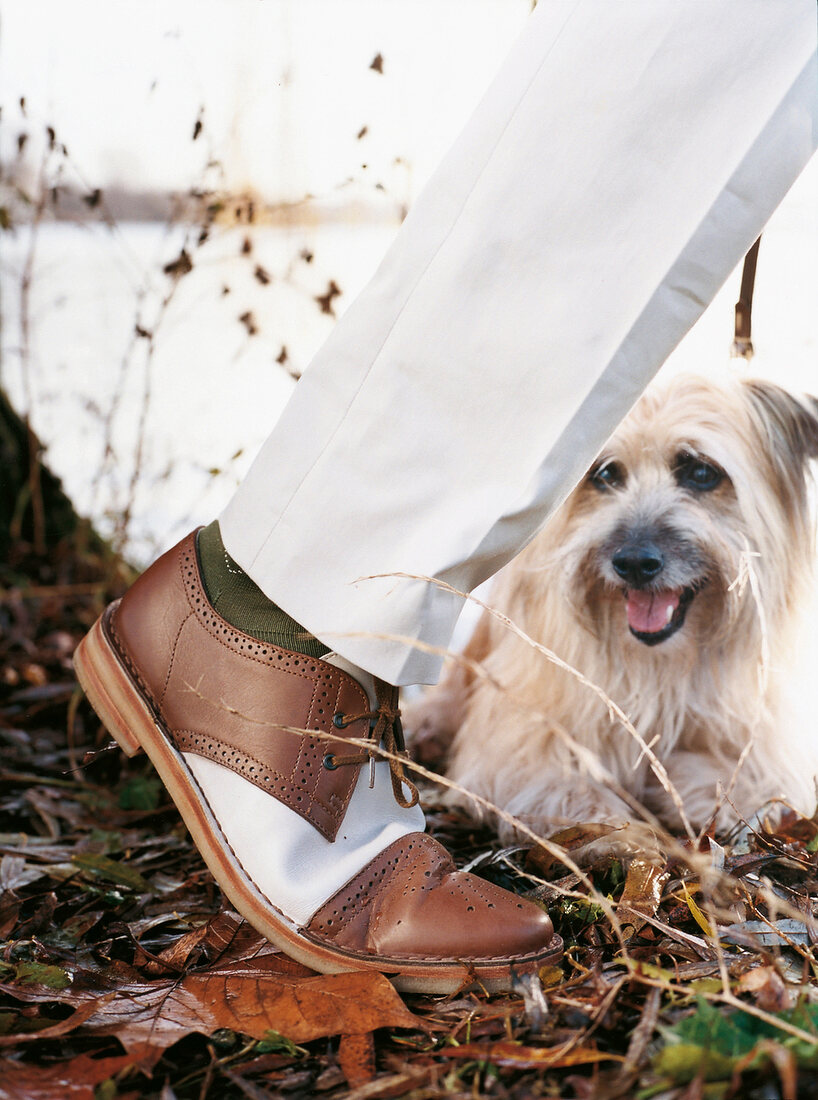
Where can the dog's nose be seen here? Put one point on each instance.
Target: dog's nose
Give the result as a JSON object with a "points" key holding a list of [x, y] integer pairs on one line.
{"points": [[638, 563]]}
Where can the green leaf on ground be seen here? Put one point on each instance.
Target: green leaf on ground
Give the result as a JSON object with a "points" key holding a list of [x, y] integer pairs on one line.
{"points": [[142, 792], [34, 973], [109, 870], [711, 1043], [275, 1043]]}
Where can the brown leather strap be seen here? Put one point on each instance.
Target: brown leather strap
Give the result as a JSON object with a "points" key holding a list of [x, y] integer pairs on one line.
{"points": [[743, 344]]}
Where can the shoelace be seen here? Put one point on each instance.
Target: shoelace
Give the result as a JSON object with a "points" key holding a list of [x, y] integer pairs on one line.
{"points": [[384, 726]]}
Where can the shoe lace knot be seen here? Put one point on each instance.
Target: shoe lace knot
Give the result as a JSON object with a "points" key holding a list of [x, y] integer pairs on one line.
{"points": [[384, 729]]}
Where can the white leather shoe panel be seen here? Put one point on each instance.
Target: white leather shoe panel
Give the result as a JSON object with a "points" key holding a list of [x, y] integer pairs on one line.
{"points": [[295, 867]]}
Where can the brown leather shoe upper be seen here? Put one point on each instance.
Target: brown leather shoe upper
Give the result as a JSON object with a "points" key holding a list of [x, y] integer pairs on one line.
{"points": [[411, 896], [224, 695]]}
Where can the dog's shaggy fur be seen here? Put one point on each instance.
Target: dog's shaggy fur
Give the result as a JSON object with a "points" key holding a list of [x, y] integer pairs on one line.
{"points": [[672, 579]]}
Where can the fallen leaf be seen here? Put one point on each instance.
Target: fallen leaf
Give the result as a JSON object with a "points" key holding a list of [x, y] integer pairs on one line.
{"points": [[550, 976], [394, 1085], [697, 914], [515, 1056], [62, 1027], [72, 1080], [683, 1062], [41, 974], [643, 888], [769, 987], [784, 1061], [109, 870], [248, 997], [751, 933], [175, 956], [572, 839], [356, 1057], [15, 872], [231, 939]]}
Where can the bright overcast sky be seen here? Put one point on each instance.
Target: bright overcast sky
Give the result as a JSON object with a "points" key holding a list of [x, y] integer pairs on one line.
{"points": [[286, 85]]}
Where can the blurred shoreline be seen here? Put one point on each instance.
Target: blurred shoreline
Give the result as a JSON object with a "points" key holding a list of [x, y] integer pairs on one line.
{"points": [[127, 204]]}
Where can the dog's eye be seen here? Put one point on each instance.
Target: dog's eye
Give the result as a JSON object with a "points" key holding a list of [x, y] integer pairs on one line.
{"points": [[694, 473], [610, 475]]}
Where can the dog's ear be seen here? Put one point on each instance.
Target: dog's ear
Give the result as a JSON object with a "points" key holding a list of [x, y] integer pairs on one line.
{"points": [[790, 423], [789, 427]]}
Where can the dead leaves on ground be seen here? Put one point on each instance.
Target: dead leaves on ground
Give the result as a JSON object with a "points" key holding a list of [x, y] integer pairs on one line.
{"points": [[120, 975], [254, 994]]}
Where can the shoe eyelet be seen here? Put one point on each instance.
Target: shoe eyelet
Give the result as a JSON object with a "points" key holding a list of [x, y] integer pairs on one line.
{"points": [[339, 720], [329, 762]]}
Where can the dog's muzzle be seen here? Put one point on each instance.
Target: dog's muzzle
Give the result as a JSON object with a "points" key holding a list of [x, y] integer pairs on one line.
{"points": [[654, 613]]}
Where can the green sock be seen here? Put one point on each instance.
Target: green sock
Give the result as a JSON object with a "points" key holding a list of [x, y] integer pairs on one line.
{"points": [[239, 599]]}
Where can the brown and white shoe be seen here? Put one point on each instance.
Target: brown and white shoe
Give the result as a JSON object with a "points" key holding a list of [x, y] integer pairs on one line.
{"points": [[325, 856]]}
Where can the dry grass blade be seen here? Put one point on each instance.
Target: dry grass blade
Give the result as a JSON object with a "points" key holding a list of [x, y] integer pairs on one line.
{"points": [[642, 1032], [440, 780], [614, 709]]}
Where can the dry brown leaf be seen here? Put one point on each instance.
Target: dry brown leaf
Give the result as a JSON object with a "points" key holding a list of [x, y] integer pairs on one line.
{"points": [[394, 1085], [769, 988], [73, 1080], [356, 1057], [784, 1061], [577, 836], [173, 958], [251, 997], [62, 1027], [643, 888], [230, 939], [516, 1056]]}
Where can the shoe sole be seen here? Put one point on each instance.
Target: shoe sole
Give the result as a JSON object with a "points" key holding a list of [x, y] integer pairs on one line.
{"points": [[130, 719]]}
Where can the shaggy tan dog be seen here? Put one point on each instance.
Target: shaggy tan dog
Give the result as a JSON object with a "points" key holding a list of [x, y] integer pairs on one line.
{"points": [[672, 579]]}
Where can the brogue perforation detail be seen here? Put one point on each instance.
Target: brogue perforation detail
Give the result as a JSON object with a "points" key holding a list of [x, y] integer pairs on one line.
{"points": [[358, 893], [264, 652], [325, 682], [243, 764], [412, 894]]}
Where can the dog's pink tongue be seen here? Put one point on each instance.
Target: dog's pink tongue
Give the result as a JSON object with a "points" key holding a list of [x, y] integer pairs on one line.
{"points": [[649, 612]]}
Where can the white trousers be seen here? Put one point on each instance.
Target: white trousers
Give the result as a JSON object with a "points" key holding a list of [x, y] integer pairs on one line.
{"points": [[619, 166]]}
